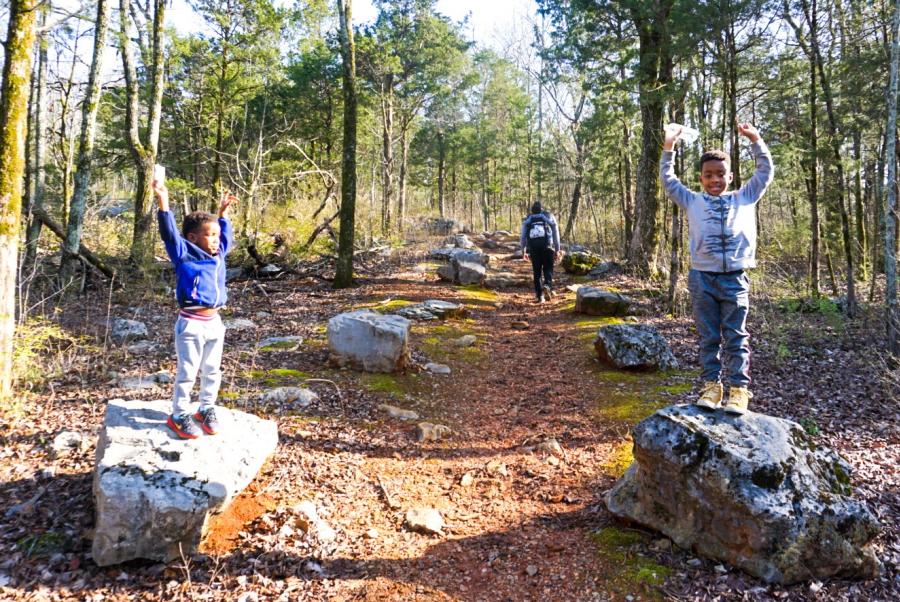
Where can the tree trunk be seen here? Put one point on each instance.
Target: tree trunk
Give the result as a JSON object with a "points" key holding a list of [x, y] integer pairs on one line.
{"points": [[85, 147], [40, 144], [442, 159], [13, 124], [387, 150], [143, 154], [890, 227], [580, 158], [654, 73], [344, 269], [401, 187]]}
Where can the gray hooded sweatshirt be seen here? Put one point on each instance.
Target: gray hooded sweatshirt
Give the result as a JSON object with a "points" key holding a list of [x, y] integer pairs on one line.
{"points": [[722, 230]]}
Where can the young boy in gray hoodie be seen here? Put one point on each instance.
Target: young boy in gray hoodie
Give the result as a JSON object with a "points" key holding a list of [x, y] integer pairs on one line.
{"points": [[722, 233]]}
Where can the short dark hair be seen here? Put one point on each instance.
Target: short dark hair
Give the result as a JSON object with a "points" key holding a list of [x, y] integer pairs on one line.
{"points": [[536, 208], [715, 155], [193, 221]]}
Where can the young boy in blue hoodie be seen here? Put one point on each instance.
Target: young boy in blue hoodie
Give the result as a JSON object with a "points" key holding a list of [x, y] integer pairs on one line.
{"points": [[198, 254], [722, 233]]}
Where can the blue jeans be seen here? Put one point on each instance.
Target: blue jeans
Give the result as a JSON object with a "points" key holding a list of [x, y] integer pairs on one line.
{"points": [[720, 303]]}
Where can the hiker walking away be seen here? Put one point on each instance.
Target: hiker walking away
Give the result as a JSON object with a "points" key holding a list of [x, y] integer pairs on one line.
{"points": [[722, 227], [540, 243]]}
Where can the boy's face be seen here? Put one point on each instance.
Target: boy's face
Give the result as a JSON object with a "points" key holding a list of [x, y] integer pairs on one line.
{"points": [[715, 176], [206, 237]]}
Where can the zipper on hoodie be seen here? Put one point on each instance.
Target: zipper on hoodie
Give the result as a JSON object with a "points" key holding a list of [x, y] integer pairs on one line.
{"points": [[722, 224], [216, 281]]}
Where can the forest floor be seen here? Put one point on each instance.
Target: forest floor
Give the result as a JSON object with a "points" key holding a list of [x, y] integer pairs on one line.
{"points": [[524, 521]]}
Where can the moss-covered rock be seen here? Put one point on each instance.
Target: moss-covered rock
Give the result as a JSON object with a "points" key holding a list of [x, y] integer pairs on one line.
{"points": [[579, 263]]}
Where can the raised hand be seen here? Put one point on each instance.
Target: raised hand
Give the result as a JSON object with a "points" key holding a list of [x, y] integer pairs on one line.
{"points": [[162, 194], [225, 202], [673, 131], [749, 131]]}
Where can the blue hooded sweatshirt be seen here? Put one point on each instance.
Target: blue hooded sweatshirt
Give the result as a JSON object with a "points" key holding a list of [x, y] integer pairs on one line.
{"points": [[200, 277]]}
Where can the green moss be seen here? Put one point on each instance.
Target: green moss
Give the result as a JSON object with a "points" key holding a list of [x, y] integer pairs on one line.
{"points": [[629, 407], [674, 389], [45, 544], [229, 395], [254, 374], [279, 346], [432, 341], [625, 570], [479, 295], [619, 460], [384, 383], [393, 305], [288, 373]]}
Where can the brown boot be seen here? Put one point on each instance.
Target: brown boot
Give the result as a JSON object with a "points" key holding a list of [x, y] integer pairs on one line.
{"points": [[738, 400], [710, 395]]}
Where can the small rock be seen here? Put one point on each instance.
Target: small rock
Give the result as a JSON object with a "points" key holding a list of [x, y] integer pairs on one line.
{"points": [[371, 534], [313, 567], [295, 396], [66, 442], [719, 568], [425, 520], [285, 531], [395, 412], [436, 368], [467, 479], [308, 519], [815, 587], [694, 562], [531, 570], [239, 324], [551, 446], [552, 460], [125, 331], [496, 467], [466, 341], [141, 347], [289, 343], [426, 431]]}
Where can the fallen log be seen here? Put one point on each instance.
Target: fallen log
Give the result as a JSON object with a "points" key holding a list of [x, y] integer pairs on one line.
{"points": [[83, 252]]}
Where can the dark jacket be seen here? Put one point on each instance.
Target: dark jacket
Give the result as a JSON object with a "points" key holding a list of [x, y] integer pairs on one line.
{"points": [[547, 217], [200, 277]]}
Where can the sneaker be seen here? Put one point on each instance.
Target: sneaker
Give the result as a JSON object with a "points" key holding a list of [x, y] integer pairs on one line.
{"points": [[738, 400], [710, 395], [183, 426], [208, 421], [548, 291], [539, 300]]}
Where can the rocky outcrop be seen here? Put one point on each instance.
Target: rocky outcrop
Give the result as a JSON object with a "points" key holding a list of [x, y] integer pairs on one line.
{"points": [[370, 341], [598, 302], [443, 226], [154, 493], [448, 254], [458, 241], [460, 271], [432, 309], [754, 491], [579, 263], [636, 347]]}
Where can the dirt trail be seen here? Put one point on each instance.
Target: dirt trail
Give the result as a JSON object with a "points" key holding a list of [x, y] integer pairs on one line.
{"points": [[539, 433]]}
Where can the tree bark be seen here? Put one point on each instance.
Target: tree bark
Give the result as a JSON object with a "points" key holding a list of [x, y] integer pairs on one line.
{"points": [[33, 232], [892, 317], [85, 147], [654, 73], [143, 153], [442, 161], [344, 270], [401, 186], [13, 124], [387, 150]]}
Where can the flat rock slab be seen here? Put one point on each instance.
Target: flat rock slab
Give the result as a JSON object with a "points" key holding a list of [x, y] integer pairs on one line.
{"points": [[754, 491], [154, 493], [432, 309]]}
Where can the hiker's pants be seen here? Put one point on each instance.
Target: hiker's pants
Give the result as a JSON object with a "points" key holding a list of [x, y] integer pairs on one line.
{"points": [[198, 344], [720, 302], [542, 263]]}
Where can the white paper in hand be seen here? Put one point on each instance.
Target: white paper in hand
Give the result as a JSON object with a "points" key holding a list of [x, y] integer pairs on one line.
{"points": [[159, 173], [688, 135]]}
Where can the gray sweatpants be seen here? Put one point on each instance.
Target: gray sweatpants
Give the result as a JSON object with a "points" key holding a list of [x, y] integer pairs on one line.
{"points": [[198, 344], [720, 303]]}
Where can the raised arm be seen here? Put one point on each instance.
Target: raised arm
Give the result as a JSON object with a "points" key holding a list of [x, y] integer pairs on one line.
{"points": [[226, 236], [765, 168], [168, 230]]}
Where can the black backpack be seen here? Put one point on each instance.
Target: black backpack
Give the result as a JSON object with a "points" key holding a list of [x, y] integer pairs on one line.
{"points": [[538, 233]]}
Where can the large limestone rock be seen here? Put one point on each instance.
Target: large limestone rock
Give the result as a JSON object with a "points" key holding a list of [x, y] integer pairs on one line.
{"points": [[459, 241], [634, 346], [123, 330], [461, 271], [754, 491], [370, 341], [443, 226], [598, 302], [154, 493], [448, 254]]}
